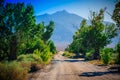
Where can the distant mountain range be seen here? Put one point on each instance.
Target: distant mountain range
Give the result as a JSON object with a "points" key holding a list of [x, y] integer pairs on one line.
{"points": [[65, 25]]}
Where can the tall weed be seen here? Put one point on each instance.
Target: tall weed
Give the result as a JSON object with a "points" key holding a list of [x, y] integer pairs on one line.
{"points": [[12, 71]]}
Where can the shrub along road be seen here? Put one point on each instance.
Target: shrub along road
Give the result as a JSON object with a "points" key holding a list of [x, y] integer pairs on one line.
{"points": [[74, 69]]}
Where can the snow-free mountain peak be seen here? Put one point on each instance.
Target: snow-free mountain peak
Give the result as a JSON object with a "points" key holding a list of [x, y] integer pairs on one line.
{"points": [[65, 25]]}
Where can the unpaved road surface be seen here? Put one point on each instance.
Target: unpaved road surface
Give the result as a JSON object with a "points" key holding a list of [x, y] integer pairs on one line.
{"points": [[74, 69]]}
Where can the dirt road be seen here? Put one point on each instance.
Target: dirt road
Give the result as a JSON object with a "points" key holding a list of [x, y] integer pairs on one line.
{"points": [[75, 69]]}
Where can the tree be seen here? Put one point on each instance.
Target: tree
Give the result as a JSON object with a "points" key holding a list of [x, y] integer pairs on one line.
{"points": [[40, 32], [18, 32], [4, 32], [116, 14], [118, 50], [116, 18], [94, 36], [16, 21], [77, 46], [52, 46], [48, 31]]}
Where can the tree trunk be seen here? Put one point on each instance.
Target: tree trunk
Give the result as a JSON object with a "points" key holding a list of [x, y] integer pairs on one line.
{"points": [[96, 54], [13, 48], [119, 58]]}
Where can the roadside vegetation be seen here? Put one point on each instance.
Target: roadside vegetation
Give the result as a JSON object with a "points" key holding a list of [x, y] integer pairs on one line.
{"points": [[91, 40], [24, 45], [67, 54]]}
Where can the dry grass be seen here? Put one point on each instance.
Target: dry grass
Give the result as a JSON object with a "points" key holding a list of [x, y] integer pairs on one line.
{"points": [[67, 54], [96, 62], [13, 71], [100, 62]]}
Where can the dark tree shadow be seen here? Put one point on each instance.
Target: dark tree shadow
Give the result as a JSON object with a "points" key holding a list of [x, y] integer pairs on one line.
{"points": [[76, 56], [114, 69], [73, 60], [68, 60], [93, 74]]}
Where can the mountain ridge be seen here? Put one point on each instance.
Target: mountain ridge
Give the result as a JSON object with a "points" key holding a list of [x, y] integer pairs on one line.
{"points": [[65, 26]]}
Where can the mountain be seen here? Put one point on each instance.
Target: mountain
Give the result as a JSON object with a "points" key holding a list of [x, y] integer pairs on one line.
{"points": [[65, 25]]}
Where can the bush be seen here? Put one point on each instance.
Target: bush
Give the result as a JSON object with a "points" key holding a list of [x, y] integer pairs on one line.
{"points": [[118, 47], [12, 71], [29, 58], [118, 51], [64, 54], [88, 55], [106, 55], [30, 61], [67, 54], [25, 64], [52, 47], [21, 58], [46, 56]]}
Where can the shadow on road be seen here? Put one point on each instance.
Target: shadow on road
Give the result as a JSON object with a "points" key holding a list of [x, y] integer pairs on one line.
{"points": [[68, 60], [93, 74], [73, 60]]}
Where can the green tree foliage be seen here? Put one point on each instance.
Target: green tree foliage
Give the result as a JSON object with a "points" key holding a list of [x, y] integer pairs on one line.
{"points": [[116, 18], [93, 36], [52, 47], [88, 55], [4, 31], [118, 51], [106, 55], [76, 45], [118, 47], [48, 31], [18, 32], [18, 19], [116, 14]]}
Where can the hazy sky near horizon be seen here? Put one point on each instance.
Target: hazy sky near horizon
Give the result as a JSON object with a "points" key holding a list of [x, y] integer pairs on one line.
{"points": [[79, 7]]}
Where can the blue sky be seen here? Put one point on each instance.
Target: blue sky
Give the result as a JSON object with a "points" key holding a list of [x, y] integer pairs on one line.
{"points": [[79, 7]]}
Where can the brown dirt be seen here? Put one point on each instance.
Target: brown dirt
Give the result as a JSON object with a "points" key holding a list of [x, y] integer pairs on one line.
{"points": [[74, 69]]}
